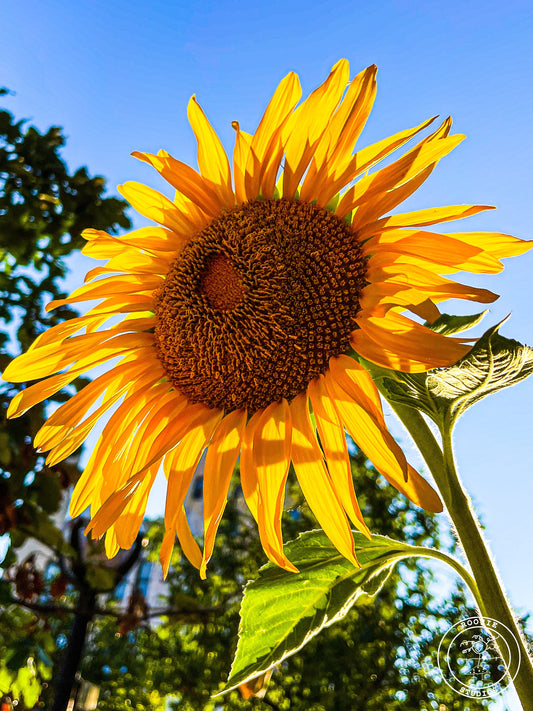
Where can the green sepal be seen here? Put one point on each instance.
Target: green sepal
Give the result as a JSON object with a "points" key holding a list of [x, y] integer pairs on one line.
{"points": [[494, 363], [333, 203], [447, 324]]}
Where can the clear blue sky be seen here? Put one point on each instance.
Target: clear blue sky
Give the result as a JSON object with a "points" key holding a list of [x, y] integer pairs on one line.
{"points": [[118, 75]]}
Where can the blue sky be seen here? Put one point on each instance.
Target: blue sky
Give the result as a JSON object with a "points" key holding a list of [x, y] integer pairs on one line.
{"points": [[118, 75]]}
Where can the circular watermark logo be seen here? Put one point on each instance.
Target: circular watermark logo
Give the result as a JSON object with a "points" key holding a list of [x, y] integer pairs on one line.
{"points": [[478, 657]]}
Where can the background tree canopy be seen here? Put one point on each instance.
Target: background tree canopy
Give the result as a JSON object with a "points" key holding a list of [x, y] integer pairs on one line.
{"points": [[380, 656]]}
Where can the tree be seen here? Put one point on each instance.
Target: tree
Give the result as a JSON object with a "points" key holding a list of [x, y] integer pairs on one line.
{"points": [[43, 209]]}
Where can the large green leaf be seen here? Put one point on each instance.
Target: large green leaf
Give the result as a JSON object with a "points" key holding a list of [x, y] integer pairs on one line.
{"points": [[495, 362], [282, 611]]}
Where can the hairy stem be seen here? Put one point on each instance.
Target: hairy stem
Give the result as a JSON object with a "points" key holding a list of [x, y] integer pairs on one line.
{"points": [[492, 601], [484, 570]]}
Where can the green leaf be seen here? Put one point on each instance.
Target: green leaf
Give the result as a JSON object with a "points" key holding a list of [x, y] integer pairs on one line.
{"points": [[6, 680], [28, 686], [43, 529], [17, 656], [494, 363], [447, 324], [100, 578], [282, 611], [5, 593], [5, 451]]}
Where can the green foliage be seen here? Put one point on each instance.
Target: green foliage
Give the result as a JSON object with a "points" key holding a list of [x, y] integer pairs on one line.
{"points": [[26, 646], [281, 612], [372, 659], [494, 363], [448, 325], [43, 209]]}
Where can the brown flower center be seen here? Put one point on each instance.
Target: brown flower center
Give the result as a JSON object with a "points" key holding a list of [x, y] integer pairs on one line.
{"points": [[257, 303], [221, 283]]}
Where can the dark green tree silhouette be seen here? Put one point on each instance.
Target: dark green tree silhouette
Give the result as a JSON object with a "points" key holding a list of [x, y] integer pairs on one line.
{"points": [[43, 209]]}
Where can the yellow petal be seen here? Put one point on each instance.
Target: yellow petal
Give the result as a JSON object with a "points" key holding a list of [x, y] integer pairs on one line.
{"points": [[357, 381], [426, 310], [385, 202], [440, 253], [346, 170], [315, 482], [306, 125], [222, 454], [271, 460], [129, 415], [176, 428], [197, 217], [376, 442], [111, 286], [134, 263], [33, 394], [46, 360], [349, 120], [186, 180], [113, 384], [420, 218], [241, 152], [425, 154], [271, 168], [129, 443], [155, 206], [281, 104], [113, 507], [165, 551], [180, 465], [418, 284], [126, 481], [153, 239], [370, 434], [495, 243], [249, 483], [266, 142], [68, 328], [128, 524], [63, 440], [212, 159], [187, 541], [340, 137], [111, 545], [110, 306], [398, 343], [336, 454]]}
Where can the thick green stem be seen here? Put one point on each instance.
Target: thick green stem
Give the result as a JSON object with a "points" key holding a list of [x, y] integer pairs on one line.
{"points": [[492, 600], [484, 570]]}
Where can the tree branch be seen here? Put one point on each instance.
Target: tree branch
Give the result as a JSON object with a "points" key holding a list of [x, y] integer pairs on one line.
{"points": [[40, 607]]}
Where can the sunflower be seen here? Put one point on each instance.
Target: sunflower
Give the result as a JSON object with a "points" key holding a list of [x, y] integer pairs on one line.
{"points": [[235, 323]]}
